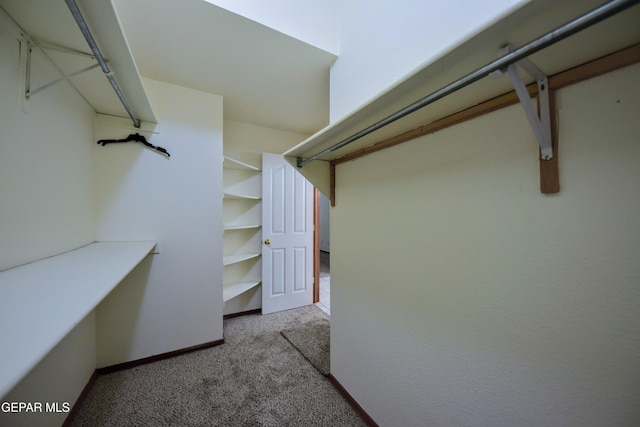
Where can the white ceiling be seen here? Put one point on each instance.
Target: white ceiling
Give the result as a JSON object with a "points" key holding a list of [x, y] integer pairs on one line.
{"points": [[266, 77]]}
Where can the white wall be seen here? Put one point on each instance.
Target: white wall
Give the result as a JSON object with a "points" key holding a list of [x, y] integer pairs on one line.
{"points": [[58, 379], [383, 41], [465, 297], [247, 137], [313, 21], [46, 207], [174, 299], [45, 169], [50, 168]]}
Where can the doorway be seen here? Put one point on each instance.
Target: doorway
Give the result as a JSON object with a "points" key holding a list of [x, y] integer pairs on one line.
{"points": [[295, 234], [322, 254]]}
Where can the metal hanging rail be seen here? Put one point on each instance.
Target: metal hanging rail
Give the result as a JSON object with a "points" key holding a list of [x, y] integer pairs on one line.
{"points": [[77, 15], [585, 21]]}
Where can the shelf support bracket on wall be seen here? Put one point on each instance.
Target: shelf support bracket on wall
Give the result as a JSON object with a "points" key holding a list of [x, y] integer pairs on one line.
{"points": [[28, 91], [25, 69], [26, 48], [540, 123]]}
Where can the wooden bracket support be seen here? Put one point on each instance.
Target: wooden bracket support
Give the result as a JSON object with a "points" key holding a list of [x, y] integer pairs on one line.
{"points": [[549, 174], [540, 120], [549, 170]]}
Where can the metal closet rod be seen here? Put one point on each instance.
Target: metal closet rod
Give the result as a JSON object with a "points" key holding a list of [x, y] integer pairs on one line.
{"points": [[77, 15], [585, 21]]}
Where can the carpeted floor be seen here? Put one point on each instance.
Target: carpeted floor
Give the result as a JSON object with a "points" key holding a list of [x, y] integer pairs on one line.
{"points": [[257, 378], [311, 339]]}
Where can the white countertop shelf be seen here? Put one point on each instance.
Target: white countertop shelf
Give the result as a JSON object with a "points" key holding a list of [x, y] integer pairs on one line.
{"points": [[232, 290], [41, 302]]}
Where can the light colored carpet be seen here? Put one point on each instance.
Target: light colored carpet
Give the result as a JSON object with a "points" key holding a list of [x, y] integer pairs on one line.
{"points": [[257, 378], [311, 339]]}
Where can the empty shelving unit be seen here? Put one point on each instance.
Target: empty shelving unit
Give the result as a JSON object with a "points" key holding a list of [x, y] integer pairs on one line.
{"points": [[242, 224]]}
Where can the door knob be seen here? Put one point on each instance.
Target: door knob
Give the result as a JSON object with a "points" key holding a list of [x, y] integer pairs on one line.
{"points": [[267, 242]]}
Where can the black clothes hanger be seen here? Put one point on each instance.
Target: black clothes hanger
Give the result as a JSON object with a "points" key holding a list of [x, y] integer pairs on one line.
{"points": [[135, 137]]}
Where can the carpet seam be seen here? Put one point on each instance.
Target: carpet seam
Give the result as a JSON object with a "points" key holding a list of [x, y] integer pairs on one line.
{"points": [[305, 357]]}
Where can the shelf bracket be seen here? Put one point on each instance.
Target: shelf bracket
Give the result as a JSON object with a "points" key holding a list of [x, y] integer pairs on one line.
{"points": [[541, 124], [25, 69], [25, 65]]}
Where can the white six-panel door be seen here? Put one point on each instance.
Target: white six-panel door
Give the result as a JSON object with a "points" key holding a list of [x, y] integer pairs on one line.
{"points": [[287, 236]]}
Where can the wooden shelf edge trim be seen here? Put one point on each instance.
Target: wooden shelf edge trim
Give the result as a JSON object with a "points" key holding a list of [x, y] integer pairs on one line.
{"points": [[597, 67], [478, 110], [549, 173]]}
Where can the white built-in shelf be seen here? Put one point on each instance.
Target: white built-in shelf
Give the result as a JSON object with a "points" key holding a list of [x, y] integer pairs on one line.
{"points": [[234, 259], [62, 30], [241, 227], [41, 302], [231, 163], [242, 189], [241, 196], [527, 23], [232, 290]]}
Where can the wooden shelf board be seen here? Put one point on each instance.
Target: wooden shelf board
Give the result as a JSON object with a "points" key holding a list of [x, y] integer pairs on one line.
{"points": [[241, 196], [232, 163], [233, 259], [41, 302], [232, 290], [241, 227]]}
